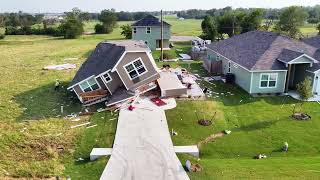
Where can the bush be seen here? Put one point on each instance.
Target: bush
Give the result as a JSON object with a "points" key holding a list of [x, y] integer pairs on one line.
{"points": [[2, 36], [126, 31], [99, 29], [167, 56], [72, 28]]}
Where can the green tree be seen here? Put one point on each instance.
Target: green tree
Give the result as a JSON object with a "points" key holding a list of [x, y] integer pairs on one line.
{"points": [[230, 23], [1, 26], [209, 28], [72, 27], [108, 19], [252, 21], [304, 90], [318, 28], [290, 20], [126, 31]]}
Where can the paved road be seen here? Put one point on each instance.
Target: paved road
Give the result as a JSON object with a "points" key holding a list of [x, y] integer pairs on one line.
{"points": [[143, 149]]}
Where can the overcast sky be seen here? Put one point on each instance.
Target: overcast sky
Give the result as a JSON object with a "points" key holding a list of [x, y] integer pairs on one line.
{"points": [[35, 6]]}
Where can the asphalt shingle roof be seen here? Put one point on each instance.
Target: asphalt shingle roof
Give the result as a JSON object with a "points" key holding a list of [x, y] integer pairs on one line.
{"points": [[150, 20], [313, 41], [105, 57], [259, 50], [287, 55]]}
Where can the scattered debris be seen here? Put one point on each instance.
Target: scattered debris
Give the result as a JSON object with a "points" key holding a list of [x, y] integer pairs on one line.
{"points": [[260, 156], [92, 126], [79, 125], [80, 159], [23, 129], [60, 67], [101, 110], [301, 116], [193, 167], [158, 101], [70, 59], [210, 138], [285, 147], [185, 57], [174, 133], [227, 131], [204, 122], [112, 119], [131, 108], [76, 119]]}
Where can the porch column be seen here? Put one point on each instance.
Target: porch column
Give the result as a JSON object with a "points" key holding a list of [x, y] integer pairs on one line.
{"points": [[288, 78]]}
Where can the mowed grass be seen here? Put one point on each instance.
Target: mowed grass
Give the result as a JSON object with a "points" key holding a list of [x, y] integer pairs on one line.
{"points": [[258, 125], [35, 139]]}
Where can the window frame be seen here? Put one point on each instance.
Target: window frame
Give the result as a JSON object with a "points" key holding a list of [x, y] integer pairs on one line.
{"points": [[104, 79], [135, 68], [268, 80], [148, 27], [89, 86]]}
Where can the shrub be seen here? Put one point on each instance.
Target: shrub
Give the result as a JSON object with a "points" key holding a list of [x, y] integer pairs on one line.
{"points": [[167, 55], [126, 31], [304, 89], [99, 29], [72, 28], [2, 36]]}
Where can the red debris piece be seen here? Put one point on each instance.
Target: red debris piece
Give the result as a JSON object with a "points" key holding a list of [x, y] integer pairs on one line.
{"points": [[158, 101], [131, 108]]}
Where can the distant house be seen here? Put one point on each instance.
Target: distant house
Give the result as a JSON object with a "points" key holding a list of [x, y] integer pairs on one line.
{"points": [[114, 72], [265, 62], [148, 30]]}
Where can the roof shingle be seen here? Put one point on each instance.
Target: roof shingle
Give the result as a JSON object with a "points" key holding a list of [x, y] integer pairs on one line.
{"points": [[259, 50], [150, 21]]}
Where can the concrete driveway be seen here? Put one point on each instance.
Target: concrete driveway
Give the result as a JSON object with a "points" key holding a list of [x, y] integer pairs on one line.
{"points": [[143, 149], [183, 38]]}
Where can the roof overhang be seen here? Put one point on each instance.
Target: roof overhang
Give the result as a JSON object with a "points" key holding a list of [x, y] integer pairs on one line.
{"points": [[72, 86], [293, 61]]}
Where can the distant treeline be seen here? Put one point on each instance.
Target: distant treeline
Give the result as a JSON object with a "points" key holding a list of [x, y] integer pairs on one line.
{"points": [[313, 13]]}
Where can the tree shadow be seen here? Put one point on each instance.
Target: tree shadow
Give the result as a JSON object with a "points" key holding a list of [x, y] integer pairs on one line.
{"points": [[256, 126], [44, 102]]}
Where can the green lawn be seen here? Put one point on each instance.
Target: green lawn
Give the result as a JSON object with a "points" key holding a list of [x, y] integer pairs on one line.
{"points": [[258, 125]]}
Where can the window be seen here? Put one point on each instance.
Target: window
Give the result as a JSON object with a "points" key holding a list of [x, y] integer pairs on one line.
{"points": [[148, 30], [146, 42], [89, 85], [229, 67], [135, 69], [134, 30], [107, 78], [268, 80]]}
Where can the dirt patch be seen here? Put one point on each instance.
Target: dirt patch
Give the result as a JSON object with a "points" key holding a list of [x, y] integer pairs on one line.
{"points": [[210, 138]]}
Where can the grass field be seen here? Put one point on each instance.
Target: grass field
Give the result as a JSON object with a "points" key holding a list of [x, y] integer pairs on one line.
{"points": [[36, 141]]}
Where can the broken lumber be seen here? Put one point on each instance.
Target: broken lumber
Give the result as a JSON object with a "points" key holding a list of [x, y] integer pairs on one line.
{"points": [[79, 125]]}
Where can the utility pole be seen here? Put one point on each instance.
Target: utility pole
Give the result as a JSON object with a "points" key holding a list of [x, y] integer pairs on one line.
{"points": [[161, 36], [233, 19]]}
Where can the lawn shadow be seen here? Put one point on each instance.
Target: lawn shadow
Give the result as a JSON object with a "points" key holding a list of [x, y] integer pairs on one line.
{"points": [[44, 102], [256, 126]]}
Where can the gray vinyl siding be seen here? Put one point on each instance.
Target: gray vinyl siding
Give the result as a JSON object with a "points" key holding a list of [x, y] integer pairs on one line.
{"points": [[102, 85], [153, 36], [150, 76], [242, 76], [77, 89], [115, 83], [280, 86]]}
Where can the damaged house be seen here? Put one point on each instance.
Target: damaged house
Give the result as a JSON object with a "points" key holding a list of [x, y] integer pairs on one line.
{"points": [[116, 71]]}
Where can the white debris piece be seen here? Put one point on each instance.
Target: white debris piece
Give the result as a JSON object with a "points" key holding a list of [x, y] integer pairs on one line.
{"points": [[79, 125], [188, 165], [60, 67]]}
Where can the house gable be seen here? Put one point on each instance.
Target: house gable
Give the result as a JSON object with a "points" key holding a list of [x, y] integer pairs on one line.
{"points": [[129, 57]]}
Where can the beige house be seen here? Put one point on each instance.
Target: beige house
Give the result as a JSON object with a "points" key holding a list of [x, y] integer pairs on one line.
{"points": [[116, 71]]}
